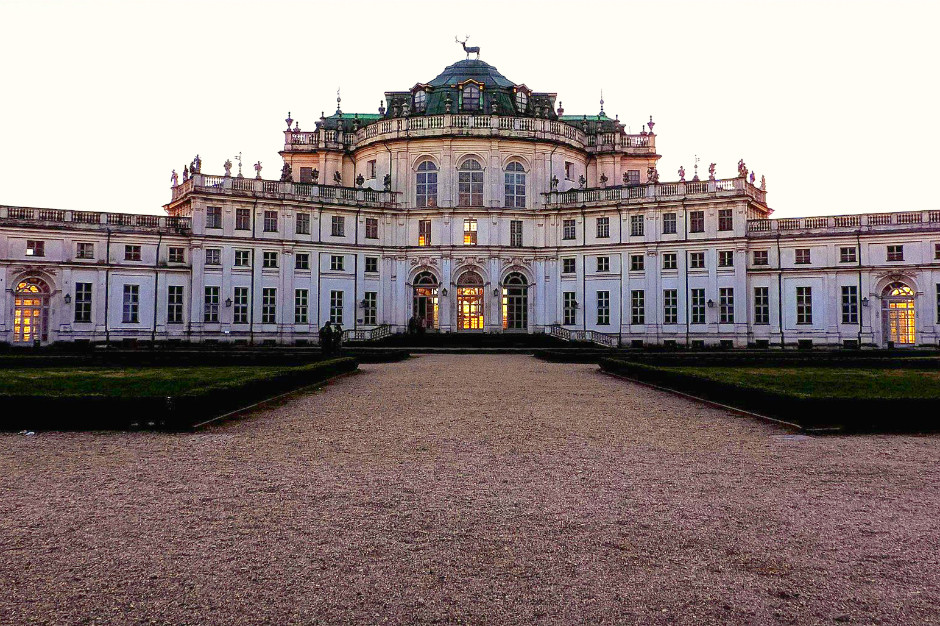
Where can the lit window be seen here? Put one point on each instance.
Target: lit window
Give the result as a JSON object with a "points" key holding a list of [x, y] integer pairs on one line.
{"points": [[470, 232], [426, 195], [424, 232], [515, 185], [470, 184]]}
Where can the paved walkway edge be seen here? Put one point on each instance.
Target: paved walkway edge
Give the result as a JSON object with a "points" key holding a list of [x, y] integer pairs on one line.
{"points": [[726, 407]]}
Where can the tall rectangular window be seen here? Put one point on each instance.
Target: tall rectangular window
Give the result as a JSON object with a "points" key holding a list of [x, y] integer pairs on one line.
{"points": [[242, 219], [372, 228], [895, 253], [240, 306], [603, 308], [131, 253], [603, 264], [211, 305], [603, 227], [336, 307], [670, 306], [270, 221], [337, 262], [302, 224], [370, 308], [306, 175], [849, 304], [470, 232], [300, 306], [636, 225], [174, 304], [636, 262], [372, 264], [338, 226], [725, 219], [761, 305], [697, 306], [804, 305], [801, 256], [938, 303], [424, 232], [670, 261], [269, 305], [696, 221], [847, 254], [569, 170], [726, 305], [936, 251], [131, 309], [213, 217], [370, 169], [567, 229], [515, 233], [669, 223], [83, 303], [570, 307], [637, 306], [633, 177]]}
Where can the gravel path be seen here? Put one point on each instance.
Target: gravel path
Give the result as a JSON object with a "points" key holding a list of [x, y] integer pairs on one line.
{"points": [[494, 489]]}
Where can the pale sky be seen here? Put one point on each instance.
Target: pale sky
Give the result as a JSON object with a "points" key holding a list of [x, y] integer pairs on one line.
{"points": [[835, 102]]}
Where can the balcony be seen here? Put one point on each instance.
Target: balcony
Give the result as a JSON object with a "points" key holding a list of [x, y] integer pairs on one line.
{"points": [[868, 222], [275, 189], [658, 192], [92, 220], [470, 126]]}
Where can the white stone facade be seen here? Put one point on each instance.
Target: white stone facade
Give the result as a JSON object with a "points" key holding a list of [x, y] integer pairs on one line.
{"points": [[631, 260]]}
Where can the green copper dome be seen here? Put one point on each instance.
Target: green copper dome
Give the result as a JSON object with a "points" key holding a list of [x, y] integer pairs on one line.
{"points": [[471, 69]]}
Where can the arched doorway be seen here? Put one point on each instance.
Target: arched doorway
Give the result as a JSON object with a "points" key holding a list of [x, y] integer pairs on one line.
{"points": [[897, 314], [470, 302], [30, 311], [424, 302], [515, 302]]}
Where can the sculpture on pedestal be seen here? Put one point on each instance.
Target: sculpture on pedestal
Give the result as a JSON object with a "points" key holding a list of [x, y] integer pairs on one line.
{"points": [[682, 173], [285, 173], [258, 170], [174, 178], [387, 182], [711, 171], [337, 179], [228, 168]]}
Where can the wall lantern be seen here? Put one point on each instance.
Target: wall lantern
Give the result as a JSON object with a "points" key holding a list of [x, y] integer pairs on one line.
{"points": [[864, 301], [444, 292], [711, 304], [363, 303], [495, 293], [228, 303], [68, 298]]}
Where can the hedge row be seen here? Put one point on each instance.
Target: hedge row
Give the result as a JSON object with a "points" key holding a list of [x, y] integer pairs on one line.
{"points": [[845, 414], [171, 412]]}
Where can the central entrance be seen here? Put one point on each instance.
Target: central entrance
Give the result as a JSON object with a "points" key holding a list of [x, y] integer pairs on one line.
{"points": [[30, 311], [897, 302], [470, 302]]}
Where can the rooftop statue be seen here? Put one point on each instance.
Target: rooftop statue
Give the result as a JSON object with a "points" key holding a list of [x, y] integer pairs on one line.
{"points": [[473, 49], [228, 167], [711, 171], [285, 173], [174, 178], [682, 173], [258, 170], [337, 178], [387, 182]]}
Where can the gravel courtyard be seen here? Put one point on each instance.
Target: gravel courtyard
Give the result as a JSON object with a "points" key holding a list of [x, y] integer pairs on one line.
{"points": [[496, 489]]}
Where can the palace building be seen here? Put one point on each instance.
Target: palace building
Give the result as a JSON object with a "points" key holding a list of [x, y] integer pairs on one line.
{"points": [[470, 204]]}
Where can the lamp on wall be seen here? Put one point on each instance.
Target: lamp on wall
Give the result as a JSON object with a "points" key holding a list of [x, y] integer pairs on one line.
{"points": [[495, 293], [228, 303], [864, 301], [711, 304], [68, 298], [444, 292]]}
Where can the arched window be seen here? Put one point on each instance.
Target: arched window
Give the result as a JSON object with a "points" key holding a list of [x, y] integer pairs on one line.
{"points": [[471, 98], [426, 187], [899, 314], [470, 301], [515, 185], [521, 101], [515, 302], [421, 100], [470, 184], [425, 279], [31, 311]]}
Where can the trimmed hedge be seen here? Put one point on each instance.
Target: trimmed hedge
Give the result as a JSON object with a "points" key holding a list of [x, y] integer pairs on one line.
{"points": [[171, 412], [845, 414]]}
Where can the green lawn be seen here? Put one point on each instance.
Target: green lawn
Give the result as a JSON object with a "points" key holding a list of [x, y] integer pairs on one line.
{"points": [[826, 382], [131, 381]]}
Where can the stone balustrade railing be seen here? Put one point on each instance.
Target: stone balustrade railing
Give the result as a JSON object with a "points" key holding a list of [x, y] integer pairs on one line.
{"points": [[310, 192], [116, 221], [861, 221], [658, 191], [488, 125]]}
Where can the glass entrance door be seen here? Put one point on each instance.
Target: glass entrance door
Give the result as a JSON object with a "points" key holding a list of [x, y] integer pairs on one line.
{"points": [[425, 306], [470, 308], [30, 311], [898, 314], [515, 303]]}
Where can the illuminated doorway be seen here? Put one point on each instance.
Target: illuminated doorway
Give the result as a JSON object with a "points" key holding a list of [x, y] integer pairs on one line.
{"points": [[897, 312], [30, 311], [515, 302], [470, 302], [424, 302]]}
